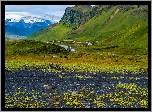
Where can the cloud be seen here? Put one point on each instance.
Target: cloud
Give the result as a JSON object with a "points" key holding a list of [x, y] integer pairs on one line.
{"points": [[38, 9]]}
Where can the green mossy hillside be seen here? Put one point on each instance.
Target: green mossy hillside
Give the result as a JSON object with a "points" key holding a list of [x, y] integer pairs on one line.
{"points": [[118, 37], [31, 47], [112, 20], [131, 41]]}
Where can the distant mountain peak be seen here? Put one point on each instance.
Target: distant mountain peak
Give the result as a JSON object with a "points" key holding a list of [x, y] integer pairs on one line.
{"points": [[24, 23], [29, 17]]}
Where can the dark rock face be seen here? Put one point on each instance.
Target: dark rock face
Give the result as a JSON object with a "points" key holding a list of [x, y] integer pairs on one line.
{"points": [[79, 14], [76, 15]]}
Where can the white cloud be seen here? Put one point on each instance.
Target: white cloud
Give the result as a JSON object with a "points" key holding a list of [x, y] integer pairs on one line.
{"points": [[38, 9]]}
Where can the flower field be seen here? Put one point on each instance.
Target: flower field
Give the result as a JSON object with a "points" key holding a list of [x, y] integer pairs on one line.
{"points": [[28, 89]]}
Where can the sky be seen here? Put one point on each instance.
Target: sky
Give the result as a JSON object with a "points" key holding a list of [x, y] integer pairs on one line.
{"points": [[57, 10]]}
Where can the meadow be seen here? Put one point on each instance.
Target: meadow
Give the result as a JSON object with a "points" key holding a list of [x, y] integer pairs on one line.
{"points": [[108, 69]]}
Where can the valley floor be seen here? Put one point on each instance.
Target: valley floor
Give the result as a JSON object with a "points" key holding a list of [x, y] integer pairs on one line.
{"points": [[94, 80], [89, 63]]}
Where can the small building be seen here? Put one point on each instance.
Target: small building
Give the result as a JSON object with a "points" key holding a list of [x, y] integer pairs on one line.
{"points": [[88, 44]]}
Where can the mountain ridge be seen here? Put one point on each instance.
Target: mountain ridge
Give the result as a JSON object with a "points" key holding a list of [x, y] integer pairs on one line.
{"points": [[107, 20], [30, 17], [24, 24]]}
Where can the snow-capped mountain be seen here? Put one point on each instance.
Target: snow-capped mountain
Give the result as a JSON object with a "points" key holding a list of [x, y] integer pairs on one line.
{"points": [[24, 23], [30, 18]]}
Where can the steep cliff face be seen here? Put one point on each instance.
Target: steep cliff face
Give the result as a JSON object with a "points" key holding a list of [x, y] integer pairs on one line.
{"points": [[79, 14]]}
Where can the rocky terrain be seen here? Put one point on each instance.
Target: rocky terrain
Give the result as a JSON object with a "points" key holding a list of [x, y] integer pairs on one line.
{"points": [[87, 89]]}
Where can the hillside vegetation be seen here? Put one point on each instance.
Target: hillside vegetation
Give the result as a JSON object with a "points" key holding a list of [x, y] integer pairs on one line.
{"points": [[31, 47], [118, 35], [104, 63], [108, 20], [131, 41]]}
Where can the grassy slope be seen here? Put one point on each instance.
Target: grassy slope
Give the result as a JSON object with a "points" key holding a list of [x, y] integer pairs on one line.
{"points": [[31, 47], [125, 35], [56, 33], [132, 39], [130, 42], [97, 28], [60, 31]]}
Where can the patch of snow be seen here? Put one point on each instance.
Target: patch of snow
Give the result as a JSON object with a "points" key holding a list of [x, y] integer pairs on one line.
{"points": [[30, 18]]}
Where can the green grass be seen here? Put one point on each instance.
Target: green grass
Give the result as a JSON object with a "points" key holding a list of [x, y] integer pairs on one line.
{"points": [[125, 35], [131, 41], [76, 65], [97, 28], [23, 64], [31, 47], [58, 32]]}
